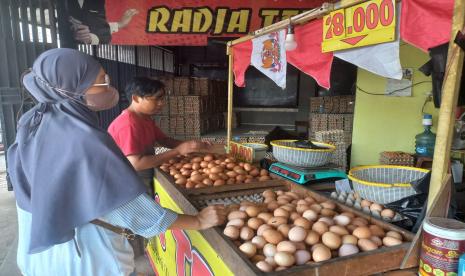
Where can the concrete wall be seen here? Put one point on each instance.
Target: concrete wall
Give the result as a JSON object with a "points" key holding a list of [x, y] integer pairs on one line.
{"points": [[384, 123]]}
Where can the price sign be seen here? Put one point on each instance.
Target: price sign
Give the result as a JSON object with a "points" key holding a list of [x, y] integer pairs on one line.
{"points": [[372, 22], [241, 152]]}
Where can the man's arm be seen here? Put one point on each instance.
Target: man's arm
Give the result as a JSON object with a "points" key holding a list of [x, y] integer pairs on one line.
{"points": [[169, 142], [143, 162]]}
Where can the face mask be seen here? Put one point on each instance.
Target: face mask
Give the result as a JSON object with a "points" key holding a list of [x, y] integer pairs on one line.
{"points": [[102, 101]]}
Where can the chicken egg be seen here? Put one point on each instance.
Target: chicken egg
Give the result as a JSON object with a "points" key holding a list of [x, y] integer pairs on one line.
{"points": [[365, 203], [277, 221], [327, 212], [269, 250], [259, 242], [302, 222], [284, 259], [286, 246], [340, 230], [348, 249], [310, 215], [273, 236], [342, 220], [236, 222], [270, 260], [302, 257], [320, 227], [377, 230], [246, 233], [376, 240], [349, 239], [312, 238], [248, 249], [328, 205], [367, 245], [388, 213], [262, 229], [237, 215], [231, 232], [284, 229], [362, 232], [264, 216], [390, 241], [321, 253], [252, 211], [328, 221], [264, 266], [254, 223], [376, 207], [297, 234], [331, 240], [394, 234]]}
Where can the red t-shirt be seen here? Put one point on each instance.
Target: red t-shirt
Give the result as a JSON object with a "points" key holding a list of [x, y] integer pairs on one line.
{"points": [[135, 135]]}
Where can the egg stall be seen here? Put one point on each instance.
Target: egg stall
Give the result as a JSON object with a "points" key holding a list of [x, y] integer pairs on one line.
{"points": [[274, 226]]}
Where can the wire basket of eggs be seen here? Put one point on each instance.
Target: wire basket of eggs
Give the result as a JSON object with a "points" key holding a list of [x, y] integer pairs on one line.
{"points": [[385, 184], [287, 152]]}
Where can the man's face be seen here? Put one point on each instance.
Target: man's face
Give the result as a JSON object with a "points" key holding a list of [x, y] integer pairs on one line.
{"points": [[150, 105]]}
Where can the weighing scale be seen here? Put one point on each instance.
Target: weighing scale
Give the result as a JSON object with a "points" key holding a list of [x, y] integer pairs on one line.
{"points": [[303, 176]]}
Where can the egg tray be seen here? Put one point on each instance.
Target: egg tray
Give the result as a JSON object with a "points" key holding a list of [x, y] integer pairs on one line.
{"points": [[253, 194], [220, 189], [397, 217], [255, 198], [324, 268]]}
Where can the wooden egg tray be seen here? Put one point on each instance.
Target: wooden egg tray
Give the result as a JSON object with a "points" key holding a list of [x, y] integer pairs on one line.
{"points": [[220, 189], [384, 258]]}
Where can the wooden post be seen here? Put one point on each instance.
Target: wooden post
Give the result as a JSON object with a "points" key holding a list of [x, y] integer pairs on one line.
{"points": [[439, 208], [450, 93], [229, 52]]}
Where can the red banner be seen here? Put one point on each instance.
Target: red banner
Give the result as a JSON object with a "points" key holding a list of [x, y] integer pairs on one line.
{"points": [[174, 22]]}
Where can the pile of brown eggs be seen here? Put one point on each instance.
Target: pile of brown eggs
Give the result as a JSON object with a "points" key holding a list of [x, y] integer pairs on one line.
{"points": [[290, 229], [205, 170]]}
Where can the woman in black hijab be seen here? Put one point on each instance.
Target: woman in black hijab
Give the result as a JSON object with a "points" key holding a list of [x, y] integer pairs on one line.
{"points": [[67, 172]]}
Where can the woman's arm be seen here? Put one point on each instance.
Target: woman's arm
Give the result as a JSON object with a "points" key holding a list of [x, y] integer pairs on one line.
{"points": [[146, 218]]}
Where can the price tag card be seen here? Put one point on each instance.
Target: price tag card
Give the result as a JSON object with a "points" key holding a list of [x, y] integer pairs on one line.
{"points": [[241, 152], [343, 186], [369, 23]]}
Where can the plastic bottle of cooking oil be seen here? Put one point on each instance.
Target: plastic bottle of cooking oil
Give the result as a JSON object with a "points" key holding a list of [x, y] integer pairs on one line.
{"points": [[424, 142]]}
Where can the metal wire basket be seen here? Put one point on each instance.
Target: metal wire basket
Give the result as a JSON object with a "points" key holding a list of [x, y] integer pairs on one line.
{"points": [[385, 184], [285, 152]]}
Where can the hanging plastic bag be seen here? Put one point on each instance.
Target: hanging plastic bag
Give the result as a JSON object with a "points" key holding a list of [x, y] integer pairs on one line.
{"points": [[410, 207]]}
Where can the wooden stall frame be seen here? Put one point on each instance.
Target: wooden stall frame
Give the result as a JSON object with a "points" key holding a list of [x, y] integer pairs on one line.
{"points": [[302, 18]]}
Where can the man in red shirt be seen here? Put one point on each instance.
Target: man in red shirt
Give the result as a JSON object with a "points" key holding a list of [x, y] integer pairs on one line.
{"points": [[136, 133]]}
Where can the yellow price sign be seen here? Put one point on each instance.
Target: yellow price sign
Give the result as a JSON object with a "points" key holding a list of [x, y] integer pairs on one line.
{"points": [[370, 23]]}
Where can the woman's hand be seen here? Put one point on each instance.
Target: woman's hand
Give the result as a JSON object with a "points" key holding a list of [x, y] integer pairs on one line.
{"points": [[211, 216], [192, 146]]}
